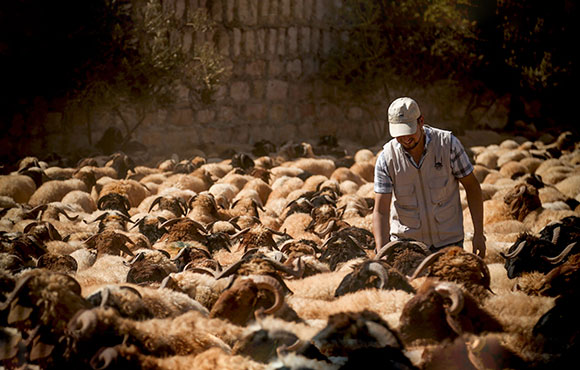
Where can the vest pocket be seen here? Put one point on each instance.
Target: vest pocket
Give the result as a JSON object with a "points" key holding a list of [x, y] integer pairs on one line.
{"points": [[409, 218], [405, 197], [438, 189], [444, 214]]}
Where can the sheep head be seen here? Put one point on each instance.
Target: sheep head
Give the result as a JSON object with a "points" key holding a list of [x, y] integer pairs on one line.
{"points": [[373, 274]]}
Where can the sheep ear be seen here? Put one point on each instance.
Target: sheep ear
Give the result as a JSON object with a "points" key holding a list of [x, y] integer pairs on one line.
{"points": [[18, 312], [40, 349]]}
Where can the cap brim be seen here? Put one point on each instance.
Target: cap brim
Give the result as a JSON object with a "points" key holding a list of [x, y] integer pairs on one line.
{"points": [[402, 129]]}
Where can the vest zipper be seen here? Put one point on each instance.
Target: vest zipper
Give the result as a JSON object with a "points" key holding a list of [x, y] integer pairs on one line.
{"points": [[425, 206]]}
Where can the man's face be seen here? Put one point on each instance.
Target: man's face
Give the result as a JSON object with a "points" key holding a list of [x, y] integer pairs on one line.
{"points": [[410, 142]]}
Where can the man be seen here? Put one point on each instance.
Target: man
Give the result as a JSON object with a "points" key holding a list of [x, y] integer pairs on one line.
{"points": [[420, 171]]}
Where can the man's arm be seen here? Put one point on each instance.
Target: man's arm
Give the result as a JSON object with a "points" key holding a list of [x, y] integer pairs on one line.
{"points": [[475, 203], [381, 215]]}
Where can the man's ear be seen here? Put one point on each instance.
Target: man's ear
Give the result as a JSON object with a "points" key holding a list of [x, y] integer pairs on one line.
{"points": [[420, 120]]}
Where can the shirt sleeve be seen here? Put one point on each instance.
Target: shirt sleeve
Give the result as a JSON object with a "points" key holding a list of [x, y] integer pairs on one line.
{"points": [[383, 183], [460, 164]]}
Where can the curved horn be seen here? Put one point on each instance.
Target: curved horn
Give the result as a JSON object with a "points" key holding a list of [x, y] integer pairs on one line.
{"points": [[230, 270], [199, 270], [387, 250], [123, 247], [375, 268], [132, 290], [327, 229], [453, 292], [556, 235], [105, 294], [171, 222], [83, 323], [63, 212], [275, 232], [271, 284], [515, 252], [243, 231], [104, 359], [298, 272], [428, 261], [560, 257], [154, 203], [40, 208]]}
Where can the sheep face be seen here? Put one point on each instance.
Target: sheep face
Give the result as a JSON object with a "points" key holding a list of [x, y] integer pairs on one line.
{"points": [[373, 274]]}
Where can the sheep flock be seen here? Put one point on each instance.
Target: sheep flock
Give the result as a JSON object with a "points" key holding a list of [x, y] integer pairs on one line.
{"points": [[265, 260]]}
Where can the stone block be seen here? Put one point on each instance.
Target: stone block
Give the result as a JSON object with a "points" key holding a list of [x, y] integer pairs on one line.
{"points": [[260, 41], [187, 40], [272, 41], [258, 89], [285, 7], [181, 117], [304, 40], [179, 8], [310, 66], [230, 6], [308, 9], [255, 112], [263, 10], [240, 91], [315, 40], [256, 68], [223, 43], [298, 10], [205, 116], [226, 114], [273, 9], [248, 12], [281, 42], [275, 67], [277, 113], [299, 92], [53, 122], [237, 42], [326, 41], [292, 40], [249, 42], [294, 68], [320, 10], [276, 90], [217, 10]]}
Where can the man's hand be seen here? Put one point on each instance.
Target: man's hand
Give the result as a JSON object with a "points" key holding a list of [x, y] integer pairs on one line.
{"points": [[479, 245]]}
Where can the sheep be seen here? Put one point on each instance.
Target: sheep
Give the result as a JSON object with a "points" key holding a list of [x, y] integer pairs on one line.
{"points": [[18, 187], [134, 191], [41, 304], [182, 335], [428, 316], [55, 190], [81, 199], [362, 337], [529, 254], [341, 248], [315, 166], [238, 303], [150, 266], [130, 357], [403, 255], [204, 209], [457, 265], [375, 274], [110, 242], [521, 200]]}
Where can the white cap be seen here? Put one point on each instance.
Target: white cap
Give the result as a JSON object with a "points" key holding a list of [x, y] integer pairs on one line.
{"points": [[403, 114]]}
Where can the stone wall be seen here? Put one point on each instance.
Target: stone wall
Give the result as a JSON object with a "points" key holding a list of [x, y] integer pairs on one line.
{"points": [[274, 49]]}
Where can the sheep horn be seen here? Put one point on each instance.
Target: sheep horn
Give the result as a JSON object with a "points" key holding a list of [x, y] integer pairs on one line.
{"points": [[230, 270], [104, 359], [387, 250], [375, 268], [271, 284], [39, 209], [154, 203], [63, 212], [199, 270], [486, 280], [132, 290], [556, 235], [123, 247], [515, 252], [30, 226], [453, 292], [105, 294], [243, 231], [560, 257], [428, 261], [298, 272], [327, 229], [83, 323], [249, 252], [275, 232]]}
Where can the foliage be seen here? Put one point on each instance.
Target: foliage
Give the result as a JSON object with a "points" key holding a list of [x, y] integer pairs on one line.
{"points": [[414, 41], [145, 63]]}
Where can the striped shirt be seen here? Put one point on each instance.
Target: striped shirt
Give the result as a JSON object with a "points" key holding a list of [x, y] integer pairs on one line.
{"points": [[460, 164]]}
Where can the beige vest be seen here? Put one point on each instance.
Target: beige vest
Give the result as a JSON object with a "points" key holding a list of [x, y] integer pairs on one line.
{"points": [[425, 202]]}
